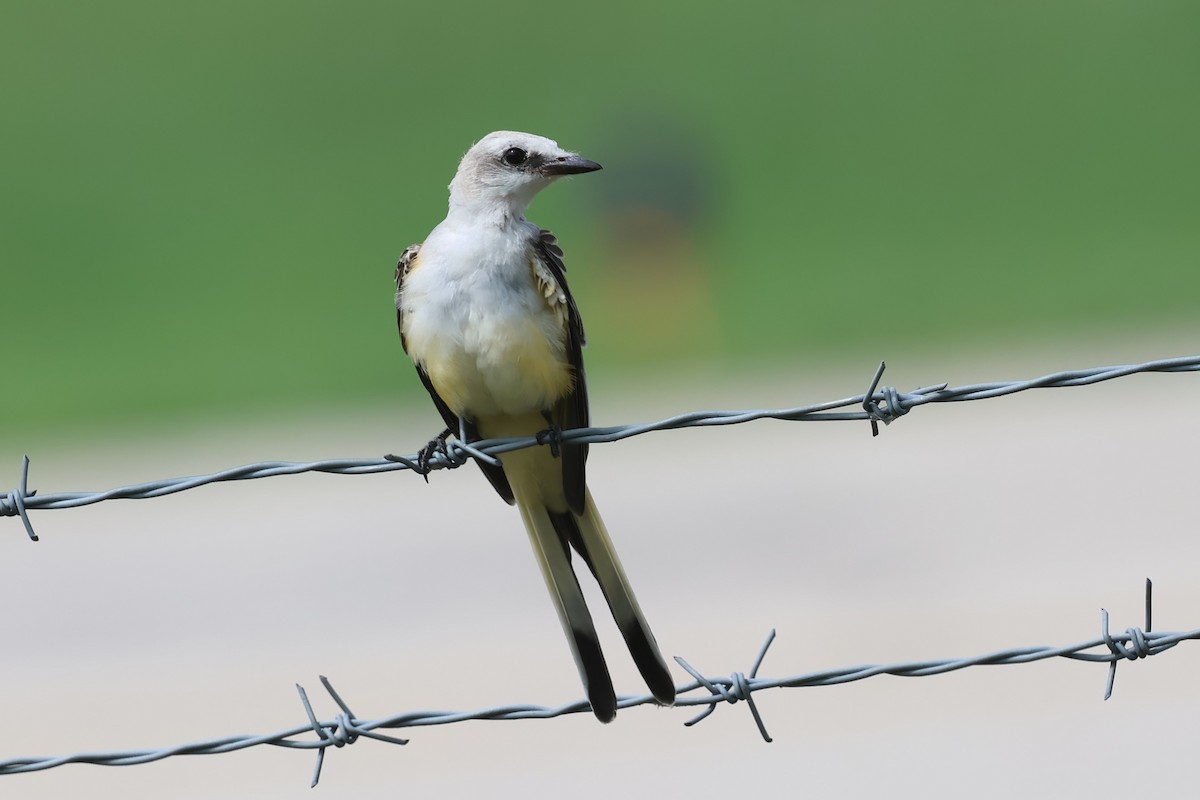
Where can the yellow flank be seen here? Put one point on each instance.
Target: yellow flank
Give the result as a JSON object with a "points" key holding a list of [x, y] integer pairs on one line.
{"points": [[533, 353], [450, 387], [514, 369]]}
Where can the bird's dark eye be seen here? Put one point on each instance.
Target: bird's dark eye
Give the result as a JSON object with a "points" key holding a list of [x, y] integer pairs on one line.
{"points": [[514, 156]]}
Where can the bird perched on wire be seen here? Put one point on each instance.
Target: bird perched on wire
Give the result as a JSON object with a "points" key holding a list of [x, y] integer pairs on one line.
{"points": [[486, 316]]}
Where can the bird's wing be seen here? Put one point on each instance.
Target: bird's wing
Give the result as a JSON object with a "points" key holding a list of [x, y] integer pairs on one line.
{"points": [[571, 410], [408, 262]]}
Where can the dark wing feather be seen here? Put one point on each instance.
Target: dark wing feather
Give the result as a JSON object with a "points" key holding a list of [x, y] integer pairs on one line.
{"points": [[571, 411], [495, 475]]}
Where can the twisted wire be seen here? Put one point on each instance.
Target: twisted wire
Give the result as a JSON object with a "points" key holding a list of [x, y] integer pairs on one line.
{"points": [[710, 691], [877, 405]]}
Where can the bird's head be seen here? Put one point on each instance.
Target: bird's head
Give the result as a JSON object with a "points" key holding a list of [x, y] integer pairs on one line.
{"points": [[503, 171]]}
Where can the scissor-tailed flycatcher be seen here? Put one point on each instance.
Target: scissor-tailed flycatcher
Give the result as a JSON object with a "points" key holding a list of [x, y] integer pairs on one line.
{"points": [[485, 314]]}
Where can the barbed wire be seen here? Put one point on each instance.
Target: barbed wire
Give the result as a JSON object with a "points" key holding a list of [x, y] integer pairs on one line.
{"points": [[878, 404], [347, 728]]}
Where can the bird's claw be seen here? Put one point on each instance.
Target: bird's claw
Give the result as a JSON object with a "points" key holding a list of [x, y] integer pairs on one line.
{"points": [[552, 436], [436, 446]]}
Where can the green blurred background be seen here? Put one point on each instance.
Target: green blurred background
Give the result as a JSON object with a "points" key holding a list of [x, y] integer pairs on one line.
{"points": [[203, 203]]}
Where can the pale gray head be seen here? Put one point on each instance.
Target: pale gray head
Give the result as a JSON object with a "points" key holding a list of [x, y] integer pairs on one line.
{"points": [[503, 171]]}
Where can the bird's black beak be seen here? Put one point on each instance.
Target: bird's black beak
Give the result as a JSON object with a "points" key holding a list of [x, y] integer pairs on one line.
{"points": [[569, 165]]}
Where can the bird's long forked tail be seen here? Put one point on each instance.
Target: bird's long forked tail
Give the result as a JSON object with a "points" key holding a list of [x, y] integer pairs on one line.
{"points": [[553, 535], [590, 539]]}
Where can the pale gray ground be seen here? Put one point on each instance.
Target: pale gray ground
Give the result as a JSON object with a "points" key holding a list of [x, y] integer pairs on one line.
{"points": [[961, 529]]}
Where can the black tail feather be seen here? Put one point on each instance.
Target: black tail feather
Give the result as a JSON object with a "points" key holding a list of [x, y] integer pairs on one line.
{"points": [[594, 669], [637, 634]]}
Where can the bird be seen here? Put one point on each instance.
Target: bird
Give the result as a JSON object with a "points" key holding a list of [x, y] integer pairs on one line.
{"points": [[487, 318]]}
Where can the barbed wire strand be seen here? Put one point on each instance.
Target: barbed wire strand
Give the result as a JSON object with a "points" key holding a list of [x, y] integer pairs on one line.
{"points": [[878, 405], [346, 728]]}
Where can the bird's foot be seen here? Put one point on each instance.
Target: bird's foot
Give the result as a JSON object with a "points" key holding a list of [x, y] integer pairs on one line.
{"points": [[552, 436], [436, 446], [421, 466]]}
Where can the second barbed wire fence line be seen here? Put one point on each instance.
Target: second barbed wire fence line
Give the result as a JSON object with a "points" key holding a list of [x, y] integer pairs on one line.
{"points": [[879, 404], [347, 728]]}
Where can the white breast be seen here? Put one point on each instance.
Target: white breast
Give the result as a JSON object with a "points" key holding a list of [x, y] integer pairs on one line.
{"points": [[475, 321]]}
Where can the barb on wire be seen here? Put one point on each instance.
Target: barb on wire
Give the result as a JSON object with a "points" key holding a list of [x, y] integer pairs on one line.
{"points": [[15, 503], [343, 731], [887, 406], [739, 689], [1139, 645], [346, 728], [877, 405]]}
